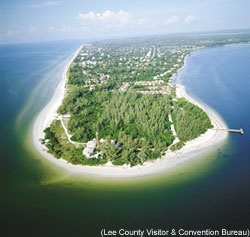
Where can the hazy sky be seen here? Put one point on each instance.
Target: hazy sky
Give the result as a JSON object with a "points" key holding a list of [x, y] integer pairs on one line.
{"points": [[37, 20]]}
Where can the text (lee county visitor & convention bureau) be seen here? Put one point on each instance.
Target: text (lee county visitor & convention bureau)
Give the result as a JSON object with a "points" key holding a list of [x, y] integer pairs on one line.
{"points": [[174, 232]]}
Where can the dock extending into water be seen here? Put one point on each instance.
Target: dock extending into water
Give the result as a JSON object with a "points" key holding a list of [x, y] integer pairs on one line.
{"points": [[241, 131]]}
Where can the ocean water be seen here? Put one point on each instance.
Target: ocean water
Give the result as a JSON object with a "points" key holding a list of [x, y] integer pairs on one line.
{"points": [[38, 199]]}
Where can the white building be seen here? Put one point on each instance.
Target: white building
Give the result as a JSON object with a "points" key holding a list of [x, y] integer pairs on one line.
{"points": [[89, 149], [124, 86]]}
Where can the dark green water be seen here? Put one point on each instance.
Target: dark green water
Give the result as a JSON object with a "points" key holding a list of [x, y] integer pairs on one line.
{"points": [[39, 199]]}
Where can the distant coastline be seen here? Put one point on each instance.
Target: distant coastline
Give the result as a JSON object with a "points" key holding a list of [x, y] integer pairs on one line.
{"points": [[171, 159]]}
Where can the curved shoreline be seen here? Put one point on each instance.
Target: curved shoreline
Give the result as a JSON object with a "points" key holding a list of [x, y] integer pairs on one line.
{"points": [[171, 160]]}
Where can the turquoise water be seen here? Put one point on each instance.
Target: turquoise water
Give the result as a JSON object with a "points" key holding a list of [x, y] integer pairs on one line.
{"points": [[39, 199]]}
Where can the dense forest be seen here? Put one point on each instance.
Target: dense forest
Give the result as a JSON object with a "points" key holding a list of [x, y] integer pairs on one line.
{"points": [[189, 120], [135, 127], [138, 123]]}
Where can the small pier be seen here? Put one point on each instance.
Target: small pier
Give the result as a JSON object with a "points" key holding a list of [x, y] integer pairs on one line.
{"points": [[241, 131]]}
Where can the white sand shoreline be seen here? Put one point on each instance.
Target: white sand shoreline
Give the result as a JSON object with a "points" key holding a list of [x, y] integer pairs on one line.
{"points": [[171, 160]]}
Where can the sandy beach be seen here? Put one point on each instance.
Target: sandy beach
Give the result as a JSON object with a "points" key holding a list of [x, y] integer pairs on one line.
{"points": [[171, 160]]}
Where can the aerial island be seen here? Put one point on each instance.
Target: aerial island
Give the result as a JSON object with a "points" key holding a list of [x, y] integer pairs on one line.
{"points": [[117, 109]]}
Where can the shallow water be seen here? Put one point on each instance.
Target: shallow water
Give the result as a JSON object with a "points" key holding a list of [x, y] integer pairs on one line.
{"points": [[39, 199]]}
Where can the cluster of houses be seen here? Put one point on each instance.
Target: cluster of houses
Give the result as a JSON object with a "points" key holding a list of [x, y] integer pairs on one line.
{"points": [[88, 62], [149, 83], [163, 90], [124, 86], [162, 74], [91, 82]]}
